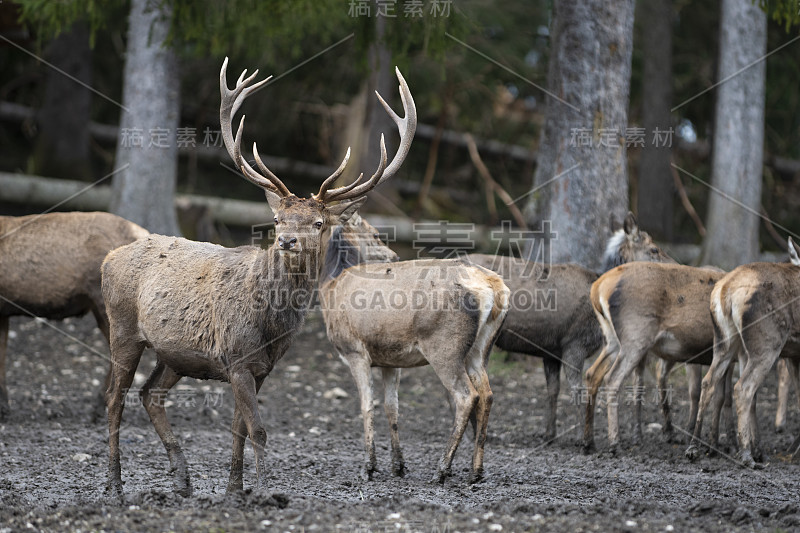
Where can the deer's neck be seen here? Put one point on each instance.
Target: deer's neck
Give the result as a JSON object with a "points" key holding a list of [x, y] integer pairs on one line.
{"points": [[614, 254], [281, 275], [339, 255]]}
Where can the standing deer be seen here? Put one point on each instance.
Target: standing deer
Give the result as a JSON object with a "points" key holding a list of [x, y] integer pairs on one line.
{"points": [[754, 310], [641, 308], [407, 314], [50, 268], [565, 333], [227, 314]]}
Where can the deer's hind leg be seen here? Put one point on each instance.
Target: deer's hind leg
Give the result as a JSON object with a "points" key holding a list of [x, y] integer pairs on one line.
{"points": [[594, 379], [476, 369], [762, 344], [637, 397], [664, 369], [552, 375], [98, 310], [694, 376], [630, 356], [573, 357], [391, 381], [161, 380], [712, 390], [449, 363], [784, 381]]}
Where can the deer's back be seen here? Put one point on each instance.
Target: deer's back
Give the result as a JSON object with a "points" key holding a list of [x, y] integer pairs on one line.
{"points": [[50, 264], [664, 305], [186, 298], [762, 293], [549, 306], [389, 307]]}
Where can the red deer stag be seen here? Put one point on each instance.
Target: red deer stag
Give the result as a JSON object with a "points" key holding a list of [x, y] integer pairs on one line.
{"points": [[50, 268], [754, 310], [561, 330], [227, 314], [641, 308], [406, 314]]}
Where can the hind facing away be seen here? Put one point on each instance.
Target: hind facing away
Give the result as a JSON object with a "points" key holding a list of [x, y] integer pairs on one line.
{"points": [[50, 268]]}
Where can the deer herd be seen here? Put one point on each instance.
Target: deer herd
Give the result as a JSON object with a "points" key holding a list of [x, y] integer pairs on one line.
{"points": [[193, 304]]}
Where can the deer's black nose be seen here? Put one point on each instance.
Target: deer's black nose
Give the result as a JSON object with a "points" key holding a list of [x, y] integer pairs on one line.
{"points": [[287, 244]]}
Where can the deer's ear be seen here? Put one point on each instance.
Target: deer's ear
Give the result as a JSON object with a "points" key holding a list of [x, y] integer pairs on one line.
{"points": [[793, 253], [630, 226], [274, 200], [344, 210]]}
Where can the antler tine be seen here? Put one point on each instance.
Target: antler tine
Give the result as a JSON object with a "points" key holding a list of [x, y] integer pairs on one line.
{"points": [[269, 175], [407, 126], [254, 177], [357, 189], [243, 91], [333, 177], [231, 100]]}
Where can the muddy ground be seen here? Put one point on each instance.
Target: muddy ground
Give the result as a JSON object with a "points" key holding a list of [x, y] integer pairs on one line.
{"points": [[53, 458]]}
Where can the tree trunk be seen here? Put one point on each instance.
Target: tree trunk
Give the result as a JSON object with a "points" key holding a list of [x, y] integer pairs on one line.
{"points": [[147, 153], [738, 142], [62, 145], [655, 191], [581, 181], [376, 120]]}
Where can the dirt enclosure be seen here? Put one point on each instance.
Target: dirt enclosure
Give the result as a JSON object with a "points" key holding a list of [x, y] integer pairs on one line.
{"points": [[53, 458]]}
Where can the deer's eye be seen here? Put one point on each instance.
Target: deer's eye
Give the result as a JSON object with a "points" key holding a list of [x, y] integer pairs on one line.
{"points": [[318, 224], [654, 251], [377, 236]]}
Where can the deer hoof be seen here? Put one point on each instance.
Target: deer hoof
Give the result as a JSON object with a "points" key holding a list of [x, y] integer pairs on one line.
{"points": [[611, 451], [441, 476], [746, 459], [759, 455], [183, 489], [233, 488], [693, 452], [399, 469], [476, 476], [367, 473], [114, 490]]}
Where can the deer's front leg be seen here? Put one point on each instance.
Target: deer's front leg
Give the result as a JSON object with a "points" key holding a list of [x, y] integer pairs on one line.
{"points": [[239, 430], [362, 374], [391, 380], [245, 390]]}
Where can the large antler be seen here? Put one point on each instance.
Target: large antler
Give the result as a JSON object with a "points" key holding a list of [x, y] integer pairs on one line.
{"points": [[231, 101], [407, 127]]}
